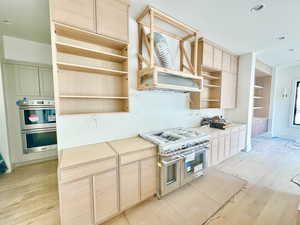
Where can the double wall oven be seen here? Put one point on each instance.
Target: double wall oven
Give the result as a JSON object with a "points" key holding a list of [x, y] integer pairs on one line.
{"points": [[38, 125]]}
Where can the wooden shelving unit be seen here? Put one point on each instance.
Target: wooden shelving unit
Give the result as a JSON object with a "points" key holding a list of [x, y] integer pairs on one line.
{"points": [[210, 97], [92, 71], [149, 73]]}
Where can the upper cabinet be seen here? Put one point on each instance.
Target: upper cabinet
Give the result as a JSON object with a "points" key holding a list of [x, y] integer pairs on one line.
{"points": [[77, 13], [228, 90], [105, 17], [217, 63], [27, 80], [33, 81], [112, 18], [226, 62]]}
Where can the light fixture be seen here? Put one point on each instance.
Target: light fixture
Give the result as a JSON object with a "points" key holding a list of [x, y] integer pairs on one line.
{"points": [[281, 37], [260, 6], [6, 22], [291, 49]]}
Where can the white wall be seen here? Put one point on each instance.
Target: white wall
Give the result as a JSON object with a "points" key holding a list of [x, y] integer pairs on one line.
{"points": [[245, 92], [285, 78], [149, 110], [26, 51], [4, 147]]}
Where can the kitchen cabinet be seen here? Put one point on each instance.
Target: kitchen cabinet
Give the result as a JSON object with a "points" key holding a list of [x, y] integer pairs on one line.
{"points": [[76, 13], [234, 140], [105, 191], [88, 184], [217, 62], [129, 185], [46, 82], [137, 162], [75, 203], [228, 90], [207, 55], [242, 138], [112, 18], [27, 80], [214, 151], [234, 64], [226, 66]]}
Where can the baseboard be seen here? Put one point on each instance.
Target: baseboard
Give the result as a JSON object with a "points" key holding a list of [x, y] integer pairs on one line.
{"points": [[15, 165]]}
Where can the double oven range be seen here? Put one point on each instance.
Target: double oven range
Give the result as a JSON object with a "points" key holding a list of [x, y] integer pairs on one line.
{"points": [[181, 157], [38, 125]]}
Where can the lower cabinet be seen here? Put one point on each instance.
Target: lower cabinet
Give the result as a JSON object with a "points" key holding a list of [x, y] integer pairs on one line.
{"points": [[137, 182], [129, 185], [75, 202], [105, 193], [226, 144]]}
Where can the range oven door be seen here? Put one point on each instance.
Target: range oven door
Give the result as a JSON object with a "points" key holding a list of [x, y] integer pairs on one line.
{"points": [[169, 175], [193, 165], [37, 117], [39, 140]]}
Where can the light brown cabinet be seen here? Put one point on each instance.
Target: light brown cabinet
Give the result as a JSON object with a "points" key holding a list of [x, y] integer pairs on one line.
{"points": [[224, 144], [76, 13], [75, 203], [228, 90], [217, 62], [105, 194], [148, 177], [226, 62], [207, 55], [112, 18], [234, 64], [129, 185]]}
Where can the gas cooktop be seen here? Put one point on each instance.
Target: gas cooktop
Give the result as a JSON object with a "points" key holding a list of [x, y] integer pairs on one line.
{"points": [[175, 139]]}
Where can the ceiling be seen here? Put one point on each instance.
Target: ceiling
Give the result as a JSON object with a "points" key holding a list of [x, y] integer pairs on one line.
{"points": [[228, 23]]}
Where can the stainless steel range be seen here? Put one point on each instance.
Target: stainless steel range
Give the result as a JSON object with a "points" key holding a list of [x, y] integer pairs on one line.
{"points": [[181, 156]]}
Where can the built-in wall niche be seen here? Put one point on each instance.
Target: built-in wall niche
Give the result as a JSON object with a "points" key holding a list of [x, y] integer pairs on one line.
{"points": [[262, 91], [92, 72]]}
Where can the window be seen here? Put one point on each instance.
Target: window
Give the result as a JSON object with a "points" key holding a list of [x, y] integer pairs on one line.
{"points": [[297, 106]]}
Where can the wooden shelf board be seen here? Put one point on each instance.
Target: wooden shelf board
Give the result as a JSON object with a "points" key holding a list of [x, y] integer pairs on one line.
{"points": [[210, 100], [177, 73], [171, 87], [210, 77], [92, 113], [92, 97], [90, 69], [257, 107], [86, 52], [212, 86], [258, 97], [258, 87], [78, 34]]}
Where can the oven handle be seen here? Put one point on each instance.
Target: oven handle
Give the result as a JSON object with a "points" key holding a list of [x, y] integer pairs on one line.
{"points": [[36, 131], [170, 162]]}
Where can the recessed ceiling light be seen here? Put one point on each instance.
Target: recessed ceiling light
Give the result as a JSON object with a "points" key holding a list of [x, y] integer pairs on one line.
{"points": [[7, 22], [258, 7], [291, 49]]}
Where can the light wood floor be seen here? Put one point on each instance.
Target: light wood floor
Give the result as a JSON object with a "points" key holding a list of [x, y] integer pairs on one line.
{"points": [[29, 194]]}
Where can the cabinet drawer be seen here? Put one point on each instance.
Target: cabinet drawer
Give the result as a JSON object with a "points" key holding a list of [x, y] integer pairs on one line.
{"points": [[69, 174], [138, 155]]}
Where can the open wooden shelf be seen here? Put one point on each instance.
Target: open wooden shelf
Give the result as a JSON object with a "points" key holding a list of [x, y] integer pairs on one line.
{"points": [[91, 97], [212, 86], [257, 107], [92, 72], [86, 52], [258, 97], [177, 88], [258, 87], [210, 77], [86, 36], [210, 100], [90, 69]]}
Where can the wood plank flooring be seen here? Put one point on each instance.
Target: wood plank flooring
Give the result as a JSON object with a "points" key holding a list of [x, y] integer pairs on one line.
{"points": [[29, 194]]}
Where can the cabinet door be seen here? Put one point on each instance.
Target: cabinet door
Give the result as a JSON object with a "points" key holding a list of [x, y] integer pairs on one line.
{"points": [[46, 82], [226, 62], [208, 55], [77, 13], [227, 145], [208, 156], [228, 91], [76, 203], [242, 139], [234, 142], [214, 151], [112, 18], [217, 59], [105, 195], [27, 80], [148, 177], [234, 65], [129, 185], [221, 147]]}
